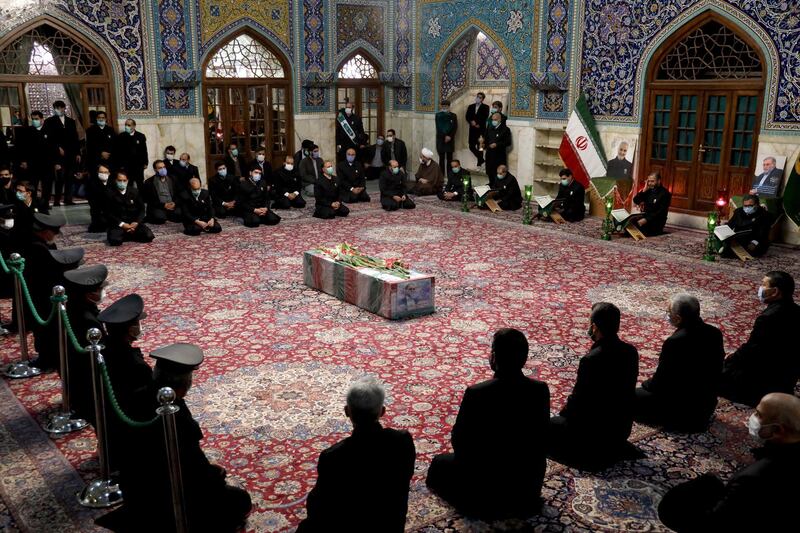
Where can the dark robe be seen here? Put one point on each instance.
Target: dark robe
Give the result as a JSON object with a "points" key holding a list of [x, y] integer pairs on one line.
{"points": [[391, 185], [507, 193], [326, 193], [432, 173], [373, 467], [655, 207], [573, 208], [126, 208], [352, 175], [343, 140], [254, 196], [757, 226]]}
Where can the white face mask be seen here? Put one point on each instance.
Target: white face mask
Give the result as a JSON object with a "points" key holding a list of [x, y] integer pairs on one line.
{"points": [[754, 425], [348, 111], [288, 167], [389, 139], [260, 158], [102, 176], [170, 157]]}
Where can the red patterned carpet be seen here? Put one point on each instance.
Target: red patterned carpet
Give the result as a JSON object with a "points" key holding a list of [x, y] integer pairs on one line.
{"points": [[279, 356]]}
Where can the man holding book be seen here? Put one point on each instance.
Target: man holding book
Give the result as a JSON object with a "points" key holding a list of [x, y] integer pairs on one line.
{"points": [[749, 226], [570, 195]]}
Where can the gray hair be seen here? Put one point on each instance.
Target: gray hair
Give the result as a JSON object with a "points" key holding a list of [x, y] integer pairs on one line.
{"points": [[685, 306], [365, 399]]}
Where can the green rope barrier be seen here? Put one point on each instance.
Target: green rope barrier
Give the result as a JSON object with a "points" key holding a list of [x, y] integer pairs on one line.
{"points": [[17, 267], [71, 334], [117, 409], [3, 265]]}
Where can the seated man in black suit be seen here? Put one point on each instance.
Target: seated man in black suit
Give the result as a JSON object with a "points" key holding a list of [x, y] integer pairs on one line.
{"points": [[362, 484], [453, 190], [223, 187], [760, 497], [499, 439], [571, 193], [327, 203], [753, 219], [654, 202], [593, 427], [768, 182], [682, 394], [253, 201], [97, 194], [161, 194], [288, 186], [352, 179], [125, 214], [393, 188], [507, 193], [768, 361], [198, 214]]}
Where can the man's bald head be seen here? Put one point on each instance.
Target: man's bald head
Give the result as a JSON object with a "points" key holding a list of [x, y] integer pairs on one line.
{"points": [[779, 414]]}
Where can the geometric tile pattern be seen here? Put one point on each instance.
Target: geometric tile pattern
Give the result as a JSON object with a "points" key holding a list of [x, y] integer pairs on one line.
{"points": [[172, 31]]}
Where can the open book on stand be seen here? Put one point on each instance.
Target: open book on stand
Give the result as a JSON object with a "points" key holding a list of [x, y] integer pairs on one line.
{"points": [[725, 232]]}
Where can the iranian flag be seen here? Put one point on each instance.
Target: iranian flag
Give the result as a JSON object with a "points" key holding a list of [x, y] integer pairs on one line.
{"points": [[791, 195], [581, 149]]}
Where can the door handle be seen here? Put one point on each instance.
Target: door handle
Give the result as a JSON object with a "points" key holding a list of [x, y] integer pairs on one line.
{"points": [[701, 149]]}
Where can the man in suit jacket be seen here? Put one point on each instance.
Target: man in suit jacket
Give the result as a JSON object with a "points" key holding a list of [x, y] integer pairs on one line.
{"points": [[184, 172], [62, 135], [288, 187], [477, 115], [454, 187], [572, 193], [352, 179], [498, 139], [375, 159], [100, 138], [768, 183], [253, 201], [654, 201], [161, 195], [363, 480], [126, 214], [760, 497], [593, 427], [768, 361], [446, 127], [507, 193], [351, 137], [499, 439], [753, 219], [223, 188], [97, 194], [130, 153], [311, 170], [393, 188], [682, 394], [198, 213], [35, 158], [235, 162], [327, 198], [395, 148]]}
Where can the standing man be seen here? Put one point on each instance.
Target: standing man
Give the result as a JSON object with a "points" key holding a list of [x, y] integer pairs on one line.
{"points": [[100, 138], [349, 131], [429, 176], [224, 189], [235, 163], [327, 196], [184, 172], [395, 148], [130, 153], [497, 107], [446, 127], [497, 141], [169, 159], [477, 116], [161, 196], [352, 181], [126, 214], [62, 136], [288, 187], [35, 157], [393, 188], [198, 213], [311, 170], [654, 202], [261, 164], [253, 201], [375, 159]]}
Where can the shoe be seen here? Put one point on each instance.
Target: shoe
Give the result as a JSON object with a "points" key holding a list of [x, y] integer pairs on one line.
{"points": [[56, 204], [10, 327]]}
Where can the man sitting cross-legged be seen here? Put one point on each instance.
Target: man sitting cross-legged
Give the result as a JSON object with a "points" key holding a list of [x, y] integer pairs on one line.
{"points": [[198, 213]]}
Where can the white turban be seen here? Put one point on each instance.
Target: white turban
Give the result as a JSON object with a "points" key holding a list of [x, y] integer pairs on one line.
{"points": [[427, 153]]}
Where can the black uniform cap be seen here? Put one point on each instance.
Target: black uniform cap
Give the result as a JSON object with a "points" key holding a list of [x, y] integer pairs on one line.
{"points": [[88, 278], [44, 221], [70, 257], [178, 357], [126, 309], [6, 211]]}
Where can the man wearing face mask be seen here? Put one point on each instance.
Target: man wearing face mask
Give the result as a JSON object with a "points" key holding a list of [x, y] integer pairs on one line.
{"points": [[446, 127], [760, 497], [429, 179], [288, 186], [62, 137], [477, 117], [753, 224], [509, 412], [35, 157], [184, 172], [97, 188], [86, 290], [235, 162], [349, 131], [352, 180], [393, 189], [768, 361], [25, 207], [311, 170], [161, 195], [224, 189], [682, 394], [198, 213], [253, 201], [130, 153], [571, 193], [305, 151], [100, 137], [592, 429], [7, 192], [327, 196], [496, 143], [375, 159], [262, 164], [394, 148], [454, 188], [125, 214], [170, 159], [506, 190], [497, 107]]}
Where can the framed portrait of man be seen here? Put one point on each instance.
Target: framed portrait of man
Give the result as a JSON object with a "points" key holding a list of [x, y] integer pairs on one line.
{"points": [[768, 177], [621, 165]]}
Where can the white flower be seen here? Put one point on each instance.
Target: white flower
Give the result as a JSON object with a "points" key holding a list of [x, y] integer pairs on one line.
{"points": [[514, 21], [434, 29]]}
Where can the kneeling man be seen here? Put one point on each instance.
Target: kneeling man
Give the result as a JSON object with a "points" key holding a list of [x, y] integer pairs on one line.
{"points": [[198, 211]]}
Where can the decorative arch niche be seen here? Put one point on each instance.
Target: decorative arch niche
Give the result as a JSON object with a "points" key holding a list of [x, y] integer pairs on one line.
{"points": [[358, 81]]}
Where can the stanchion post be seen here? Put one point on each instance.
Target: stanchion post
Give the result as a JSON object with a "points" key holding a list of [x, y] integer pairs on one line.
{"points": [[101, 492], [166, 397], [22, 368], [62, 422]]}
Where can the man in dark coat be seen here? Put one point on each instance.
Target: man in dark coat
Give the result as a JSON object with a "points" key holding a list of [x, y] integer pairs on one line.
{"points": [[754, 223], [126, 214], [393, 189], [349, 131], [507, 193], [373, 467], [654, 202], [288, 186], [305, 151], [496, 143], [209, 502], [223, 188], [352, 179], [571, 194], [311, 170], [477, 115], [7, 182], [264, 165], [446, 127], [170, 160], [86, 290], [253, 201], [130, 153], [375, 159], [593, 427], [62, 136], [235, 162], [161, 194], [499, 440], [327, 195], [198, 213], [760, 497], [429, 177], [100, 138], [454, 187], [768, 361], [682, 394], [184, 171], [620, 167], [35, 158], [395, 148], [97, 194]]}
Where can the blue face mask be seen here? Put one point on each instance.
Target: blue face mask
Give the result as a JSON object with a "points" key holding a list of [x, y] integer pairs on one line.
{"points": [[162, 171], [494, 109], [36, 123], [456, 170], [565, 182], [351, 158], [122, 185], [395, 170], [501, 176], [749, 209], [235, 152], [256, 177], [761, 296], [196, 193], [101, 123], [223, 172], [315, 155], [380, 142], [495, 123], [20, 196], [128, 129]]}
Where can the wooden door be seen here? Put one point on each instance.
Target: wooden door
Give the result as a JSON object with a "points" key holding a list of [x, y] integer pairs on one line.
{"points": [[367, 99]]}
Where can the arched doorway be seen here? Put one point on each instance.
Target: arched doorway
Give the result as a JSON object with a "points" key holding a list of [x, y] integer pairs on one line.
{"points": [[43, 62], [247, 100], [703, 104], [357, 81]]}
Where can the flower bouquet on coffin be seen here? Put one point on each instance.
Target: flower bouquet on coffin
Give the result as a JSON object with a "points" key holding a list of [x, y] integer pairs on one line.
{"points": [[350, 255]]}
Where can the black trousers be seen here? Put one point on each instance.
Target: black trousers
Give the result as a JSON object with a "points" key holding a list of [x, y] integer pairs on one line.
{"points": [[576, 447], [222, 212], [194, 230], [351, 198], [159, 216], [284, 203], [63, 182], [98, 220], [474, 143], [251, 220], [116, 235], [390, 204], [682, 508], [444, 161], [327, 212], [494, 158], [654, 410]]}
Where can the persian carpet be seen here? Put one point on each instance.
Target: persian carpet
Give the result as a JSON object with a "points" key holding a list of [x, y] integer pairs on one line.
{"points": [[279, 356]]}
